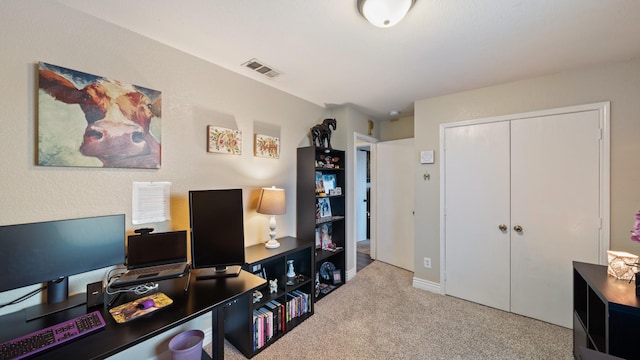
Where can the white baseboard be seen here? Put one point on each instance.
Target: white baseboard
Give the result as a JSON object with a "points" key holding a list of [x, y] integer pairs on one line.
{"points": [[208, 336], [351, 273], [427, 285]]}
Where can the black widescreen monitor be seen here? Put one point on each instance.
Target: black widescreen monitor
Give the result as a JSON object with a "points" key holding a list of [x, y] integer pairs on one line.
{"points": [[51, 251], [217, 232]]}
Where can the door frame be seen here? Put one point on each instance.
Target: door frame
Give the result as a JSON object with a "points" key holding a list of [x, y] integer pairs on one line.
{"points": [[604, 113], [358, 141]]}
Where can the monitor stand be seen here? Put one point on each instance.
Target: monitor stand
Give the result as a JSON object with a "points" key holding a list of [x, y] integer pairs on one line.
{"points": [[38, 311], [218, 272], [58, 299]]}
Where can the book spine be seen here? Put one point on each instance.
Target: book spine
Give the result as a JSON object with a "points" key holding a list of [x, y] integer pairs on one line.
{"points": [[255, 329]]}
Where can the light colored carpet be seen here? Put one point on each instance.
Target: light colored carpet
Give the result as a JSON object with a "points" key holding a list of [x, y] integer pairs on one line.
{"points": [[379, 315]]}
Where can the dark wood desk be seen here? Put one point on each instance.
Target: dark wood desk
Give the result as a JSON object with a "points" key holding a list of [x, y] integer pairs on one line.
{"points": [[203, 296], [606, 312]]}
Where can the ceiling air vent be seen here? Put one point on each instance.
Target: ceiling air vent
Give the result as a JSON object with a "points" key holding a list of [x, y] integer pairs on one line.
{"points": [[262, 68]]}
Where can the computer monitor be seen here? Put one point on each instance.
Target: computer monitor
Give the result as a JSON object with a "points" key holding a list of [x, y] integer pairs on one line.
{"points": [[51, 251], [217, 232]]}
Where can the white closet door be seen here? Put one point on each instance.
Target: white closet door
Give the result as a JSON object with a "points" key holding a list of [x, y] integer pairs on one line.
{"points": [[555, 199], [476, 204], [394, 202]]}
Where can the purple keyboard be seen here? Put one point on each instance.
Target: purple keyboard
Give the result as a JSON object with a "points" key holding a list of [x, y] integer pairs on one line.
{"points": [[43, 339]]}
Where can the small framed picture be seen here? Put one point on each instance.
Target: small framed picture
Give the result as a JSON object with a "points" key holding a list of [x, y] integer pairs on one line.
{"points": [[223, 140], [325, 207], [266, 146], [336, 191], [325, 235], [319, 185], [337, 277], [329, 182], [318, 238]]}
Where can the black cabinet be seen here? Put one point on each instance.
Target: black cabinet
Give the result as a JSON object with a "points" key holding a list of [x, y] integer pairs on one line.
{"points": [[321, 210], [252, 323], [606, 312]]}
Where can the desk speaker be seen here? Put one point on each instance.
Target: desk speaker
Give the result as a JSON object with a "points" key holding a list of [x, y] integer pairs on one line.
{"points": [[95, 296]]}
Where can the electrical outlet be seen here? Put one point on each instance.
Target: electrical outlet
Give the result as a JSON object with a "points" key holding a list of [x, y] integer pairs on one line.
{"points": [[427, 263]]}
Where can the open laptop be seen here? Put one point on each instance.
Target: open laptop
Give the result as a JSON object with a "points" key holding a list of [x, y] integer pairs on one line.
{"points": [[154, 257]]}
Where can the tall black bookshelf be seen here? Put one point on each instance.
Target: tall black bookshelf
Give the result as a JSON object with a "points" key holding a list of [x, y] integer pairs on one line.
{"points": [[321, 213]]}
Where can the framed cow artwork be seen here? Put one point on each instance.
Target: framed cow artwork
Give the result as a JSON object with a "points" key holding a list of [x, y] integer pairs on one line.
{"points": [[91, 121]]}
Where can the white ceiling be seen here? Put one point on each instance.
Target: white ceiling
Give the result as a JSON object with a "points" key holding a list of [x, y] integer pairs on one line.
{"points": [[329, 55]]}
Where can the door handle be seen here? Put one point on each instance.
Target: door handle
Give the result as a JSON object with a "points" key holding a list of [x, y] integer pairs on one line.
{"points": [[517, 228], [502, 227]]}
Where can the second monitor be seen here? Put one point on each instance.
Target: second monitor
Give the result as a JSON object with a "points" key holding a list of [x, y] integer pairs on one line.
{"points": [[217, 232]]}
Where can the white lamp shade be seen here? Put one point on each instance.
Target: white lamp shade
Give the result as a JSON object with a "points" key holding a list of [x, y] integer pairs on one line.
{"points": [[384, 13], [272, 201]]}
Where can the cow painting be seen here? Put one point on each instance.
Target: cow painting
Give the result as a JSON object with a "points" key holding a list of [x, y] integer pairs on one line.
{"points": [[88, 120]]}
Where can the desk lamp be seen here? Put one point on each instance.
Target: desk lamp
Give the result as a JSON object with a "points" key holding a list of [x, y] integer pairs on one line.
{"points": [[272, 202]]}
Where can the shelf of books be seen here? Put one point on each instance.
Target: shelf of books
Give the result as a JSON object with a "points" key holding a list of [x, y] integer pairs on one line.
{"points": [[254, 322], [321, 205], [274, 318]]}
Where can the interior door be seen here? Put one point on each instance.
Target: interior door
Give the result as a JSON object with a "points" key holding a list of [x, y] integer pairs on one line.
{"points": [[476, 198], [555, 200], [394, 202]]}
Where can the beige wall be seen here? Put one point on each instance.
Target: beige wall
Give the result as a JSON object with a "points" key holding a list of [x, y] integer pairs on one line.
{"points": [[618, 83], [401, 128], [195, 94]]}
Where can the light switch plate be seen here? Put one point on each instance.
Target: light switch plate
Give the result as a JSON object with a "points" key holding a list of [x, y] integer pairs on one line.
{"points": [[426, 157]]}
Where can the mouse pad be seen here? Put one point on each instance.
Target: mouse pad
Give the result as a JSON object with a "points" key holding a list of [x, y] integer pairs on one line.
{"points": [[136, 308]]}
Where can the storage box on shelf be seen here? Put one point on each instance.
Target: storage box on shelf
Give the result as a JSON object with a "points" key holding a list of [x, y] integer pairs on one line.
{"points": [[254, 322], [606, 312], [321, 209]]}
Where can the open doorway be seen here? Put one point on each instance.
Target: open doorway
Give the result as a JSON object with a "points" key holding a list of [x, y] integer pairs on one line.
{"points": [[364, 243]]}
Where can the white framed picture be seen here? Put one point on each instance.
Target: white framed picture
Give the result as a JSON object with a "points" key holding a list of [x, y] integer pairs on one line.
{"points": [[324, 204], [266, 146], [329, 183], [223, 140], [325, 236]]}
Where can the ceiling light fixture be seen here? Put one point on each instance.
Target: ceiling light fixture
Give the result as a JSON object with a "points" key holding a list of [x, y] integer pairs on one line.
{"points": [[384, 13]]}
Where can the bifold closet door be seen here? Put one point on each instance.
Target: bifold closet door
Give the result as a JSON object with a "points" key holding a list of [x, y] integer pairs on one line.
{"points": [[522, 201], [477, 256], [555, 172]]}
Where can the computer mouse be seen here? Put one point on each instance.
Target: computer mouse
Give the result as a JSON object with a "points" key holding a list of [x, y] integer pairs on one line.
{"points": [[146, 304]]}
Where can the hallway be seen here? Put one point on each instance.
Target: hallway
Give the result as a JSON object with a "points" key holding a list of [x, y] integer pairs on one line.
{"points": [[363, 254]]}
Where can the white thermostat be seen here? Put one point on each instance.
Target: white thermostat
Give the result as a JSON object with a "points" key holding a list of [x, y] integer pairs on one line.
{"points": [[426, 157]]}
